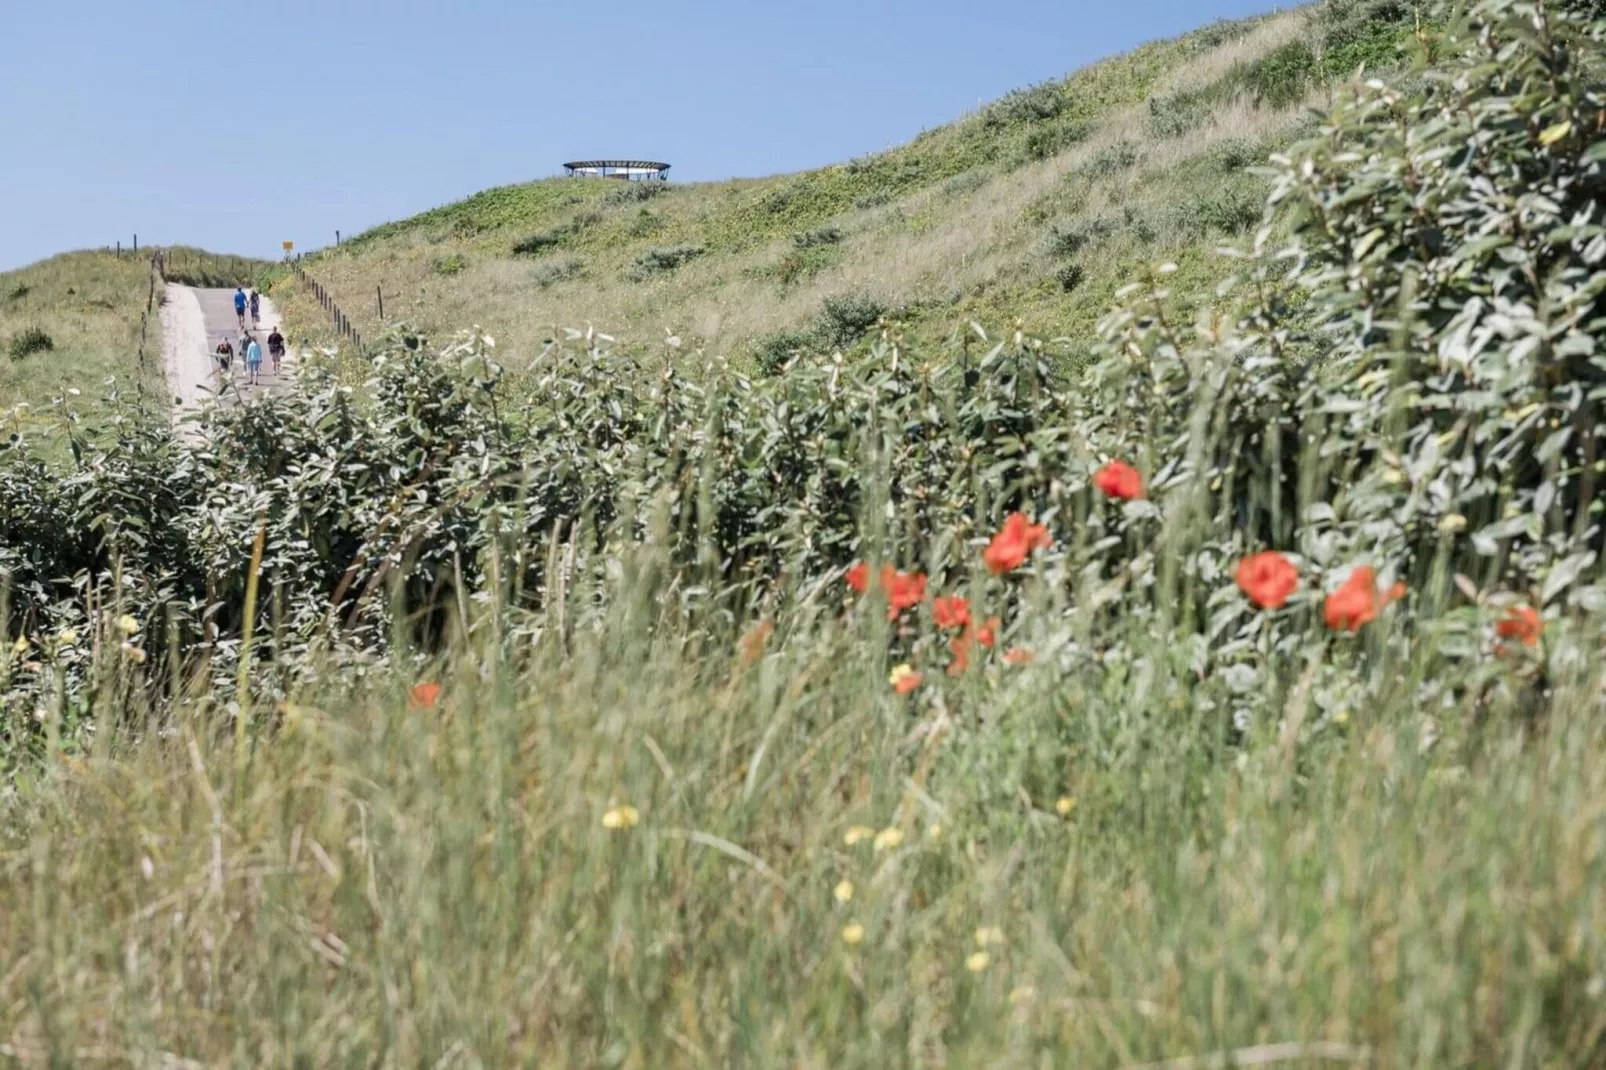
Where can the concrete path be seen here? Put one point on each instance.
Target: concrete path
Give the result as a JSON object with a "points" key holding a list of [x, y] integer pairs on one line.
{"points": [[193, 322]]}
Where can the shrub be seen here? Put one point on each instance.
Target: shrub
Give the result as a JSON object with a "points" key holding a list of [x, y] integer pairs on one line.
{"points": [[810, 239], [1356, 32], [873, 199], [448, 266], [540, 242], [661, 260], [1231, 209], [1072, 238], [1138, 225], [555, 271], [1044, 142], [644, 223], [846, 317], [1279, 78], [19, 291], [1107, 161], [547, 240], [1070, 276], [1221, 32], [1235, 154], [1180, 113], [635, 192], [1035, 104], [30, 341], [775, 351]]}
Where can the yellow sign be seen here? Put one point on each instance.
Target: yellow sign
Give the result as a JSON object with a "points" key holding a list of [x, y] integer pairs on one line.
{"points": [[289, 245]]}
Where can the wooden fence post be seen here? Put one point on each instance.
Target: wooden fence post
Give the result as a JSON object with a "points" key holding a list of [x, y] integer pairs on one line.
{"points": [[380, 290]]}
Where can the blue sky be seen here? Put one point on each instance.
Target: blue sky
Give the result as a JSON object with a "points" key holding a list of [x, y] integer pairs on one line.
{"points": [[236, 126]]}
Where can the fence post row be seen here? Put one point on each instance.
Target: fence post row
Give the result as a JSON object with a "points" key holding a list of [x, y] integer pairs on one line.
{"points": [[337, 316]]}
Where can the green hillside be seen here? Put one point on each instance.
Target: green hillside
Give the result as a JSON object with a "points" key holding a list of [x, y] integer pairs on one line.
{"points": [[71, 323], [1038, 207]]}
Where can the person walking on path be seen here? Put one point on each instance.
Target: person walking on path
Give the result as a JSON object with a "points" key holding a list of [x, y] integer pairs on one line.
{"points": [[256, 308], [253, 361], [239, 305], [276, 349]]}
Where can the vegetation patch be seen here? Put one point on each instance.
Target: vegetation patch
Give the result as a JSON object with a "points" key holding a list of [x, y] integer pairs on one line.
{"points": [[453, 264], [28, 342], [663, 260], [553, 272]]}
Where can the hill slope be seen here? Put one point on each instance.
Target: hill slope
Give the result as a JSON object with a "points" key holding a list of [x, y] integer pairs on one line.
{"points": [[1039, 207], [73, 321]]}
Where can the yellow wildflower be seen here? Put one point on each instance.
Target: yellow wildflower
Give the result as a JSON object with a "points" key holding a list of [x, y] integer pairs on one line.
{"points": [[621, 817], [977, 962], [1023, 994], [20, 647], [1065, 805], [67, 637], [843, 892], [904, 679], [888, 838], [1341, 717], [857, 834], [934, 833], [128, 624], [989, 935], [852, 933]]}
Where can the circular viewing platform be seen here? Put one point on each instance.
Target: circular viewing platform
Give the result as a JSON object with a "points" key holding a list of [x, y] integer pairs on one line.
{"points": [[629, 170]]}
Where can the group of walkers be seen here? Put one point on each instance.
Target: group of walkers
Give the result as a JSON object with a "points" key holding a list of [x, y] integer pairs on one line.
{"points": [[246, 345]]}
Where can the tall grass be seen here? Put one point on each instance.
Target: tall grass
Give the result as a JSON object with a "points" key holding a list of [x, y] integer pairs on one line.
{"points": [[389, 880]]}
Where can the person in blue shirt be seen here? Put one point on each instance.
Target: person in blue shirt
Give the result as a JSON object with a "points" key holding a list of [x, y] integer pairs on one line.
{"points": [[239, 305], [253, 360]]}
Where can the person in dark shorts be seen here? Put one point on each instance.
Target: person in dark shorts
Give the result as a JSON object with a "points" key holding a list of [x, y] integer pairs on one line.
{"points": [[256, 308], [276, 348], [239, 305], [225, 354]]}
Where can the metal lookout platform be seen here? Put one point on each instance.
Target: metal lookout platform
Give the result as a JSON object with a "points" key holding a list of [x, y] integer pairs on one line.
{"points": [[629, 170]]}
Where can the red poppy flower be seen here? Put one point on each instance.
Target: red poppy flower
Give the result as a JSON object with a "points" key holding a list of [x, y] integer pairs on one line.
{"points": [[1014, 543], [950, 612], [425, 695], [1353, 604], [1268, 579], [987, 633], [960, 646], [1019, 656], [905, 590], [858, 577], [1521, 623], [1119, 480]]}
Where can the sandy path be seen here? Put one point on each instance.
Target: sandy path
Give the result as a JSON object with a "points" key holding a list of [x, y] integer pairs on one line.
{"points": [[193, 321], [189, 368]]}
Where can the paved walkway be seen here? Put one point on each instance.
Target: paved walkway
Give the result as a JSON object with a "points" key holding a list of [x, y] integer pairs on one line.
{"points": [[217, 312], [193, 322]]}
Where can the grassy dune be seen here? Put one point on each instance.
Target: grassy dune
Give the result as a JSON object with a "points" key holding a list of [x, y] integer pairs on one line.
{"points": [[1036, 208], [89, 304]]}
